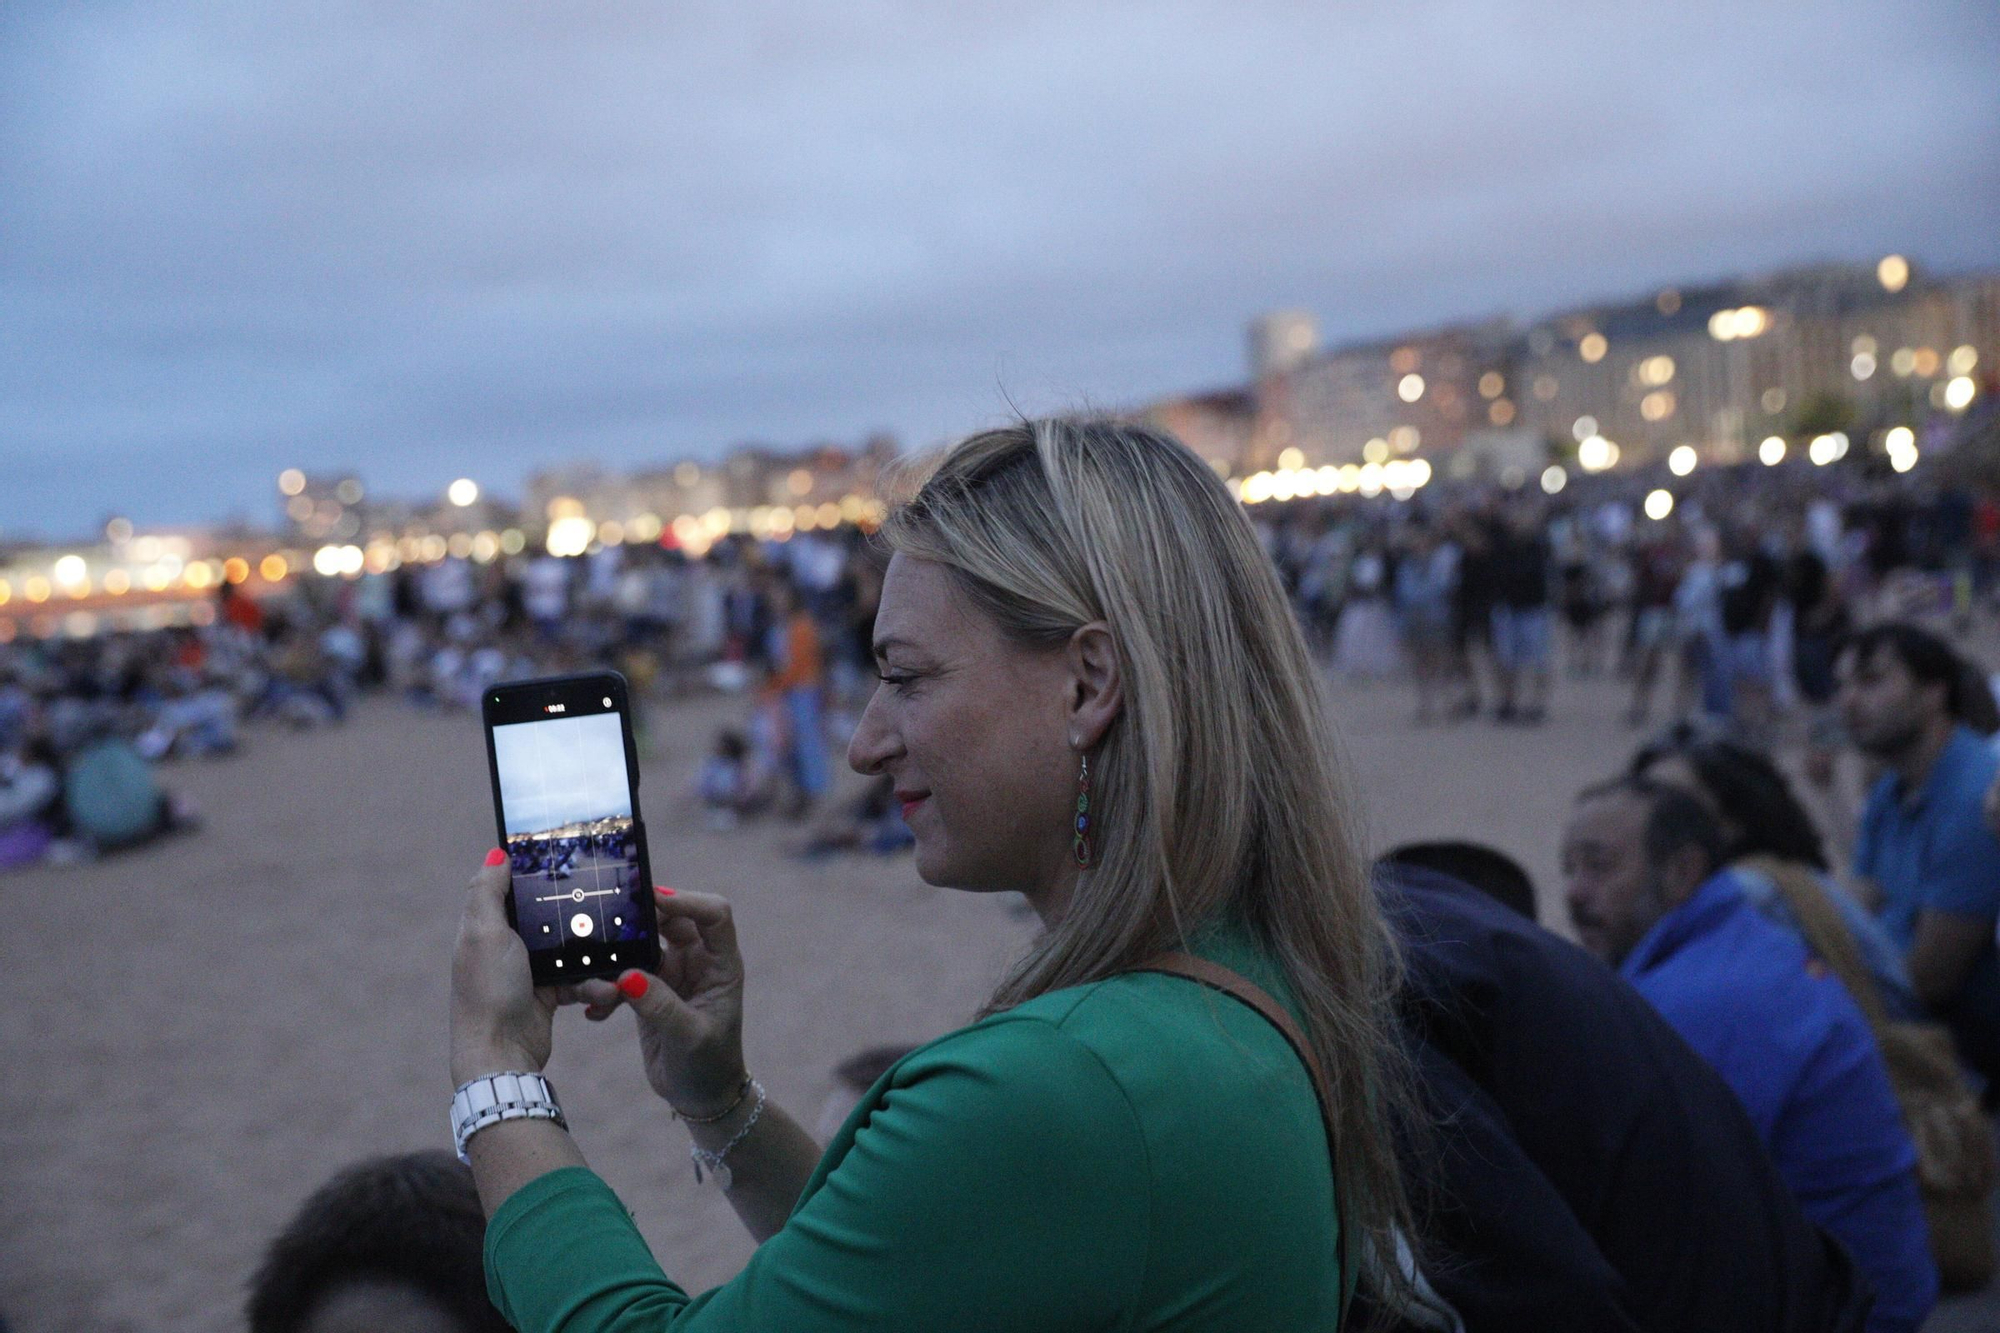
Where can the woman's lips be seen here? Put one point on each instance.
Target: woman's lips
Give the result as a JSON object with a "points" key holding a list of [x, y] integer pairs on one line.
{"points": [[910, 802]]}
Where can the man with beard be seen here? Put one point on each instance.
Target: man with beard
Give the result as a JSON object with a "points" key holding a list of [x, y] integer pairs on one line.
{"points": [[1932, 865], [1649, 894], [1581, 1167]]}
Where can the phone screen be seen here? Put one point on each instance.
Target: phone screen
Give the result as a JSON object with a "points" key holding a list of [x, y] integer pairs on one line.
{"points": [[581, 898]]}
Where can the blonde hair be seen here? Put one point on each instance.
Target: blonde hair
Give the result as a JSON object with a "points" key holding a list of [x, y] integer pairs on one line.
{"points": [[1218, 788]]}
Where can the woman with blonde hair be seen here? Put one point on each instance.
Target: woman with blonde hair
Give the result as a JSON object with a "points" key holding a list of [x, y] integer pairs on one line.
{"points": [[1093, 693]]}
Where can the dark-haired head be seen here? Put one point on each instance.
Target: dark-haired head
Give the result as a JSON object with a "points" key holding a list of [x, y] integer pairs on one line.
{"points": [[1929, 661], [1493, 872], [392, 1243], [1635, 849], [1743, 790], [1902, 688]]}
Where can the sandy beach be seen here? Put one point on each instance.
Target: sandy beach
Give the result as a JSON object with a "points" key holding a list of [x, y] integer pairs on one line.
{"points": [[199, 1033]]}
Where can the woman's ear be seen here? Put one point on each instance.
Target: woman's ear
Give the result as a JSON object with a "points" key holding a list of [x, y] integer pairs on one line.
{"points": [[1096, 686]]}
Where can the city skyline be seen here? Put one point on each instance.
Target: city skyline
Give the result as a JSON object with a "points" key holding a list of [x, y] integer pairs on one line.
{"points": [[1241, 427], [238, 244]]}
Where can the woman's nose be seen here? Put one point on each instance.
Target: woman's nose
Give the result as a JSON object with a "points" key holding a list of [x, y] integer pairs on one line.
{"points": [[872, 744]]}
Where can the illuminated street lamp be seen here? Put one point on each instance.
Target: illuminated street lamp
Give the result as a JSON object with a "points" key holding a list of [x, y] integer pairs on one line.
{"points": [[1596, 454], [1901, 445]]}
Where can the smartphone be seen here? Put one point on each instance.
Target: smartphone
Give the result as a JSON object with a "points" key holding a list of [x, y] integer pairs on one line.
{"points": [[566, 795]]}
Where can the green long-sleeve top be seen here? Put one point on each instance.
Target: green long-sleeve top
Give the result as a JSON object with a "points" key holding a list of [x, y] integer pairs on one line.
{"points": [[1137, 1153]]}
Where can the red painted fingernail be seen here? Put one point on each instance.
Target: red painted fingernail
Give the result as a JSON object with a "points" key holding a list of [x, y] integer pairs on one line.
{"points": [[632, 984], [661, 888], [496, 857]]}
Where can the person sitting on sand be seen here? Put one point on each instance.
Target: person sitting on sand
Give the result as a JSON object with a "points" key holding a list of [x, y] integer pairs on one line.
{"points": [[30, 794], [1651, 893], [1094, 693], [728, 783], [1559, 1194]]}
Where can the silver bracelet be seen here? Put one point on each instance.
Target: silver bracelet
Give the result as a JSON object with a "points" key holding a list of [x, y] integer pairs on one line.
{"points": [[492, 1098], [724, 1114], [713, 1160]]}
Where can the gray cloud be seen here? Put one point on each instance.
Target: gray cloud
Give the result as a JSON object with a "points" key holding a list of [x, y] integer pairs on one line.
{"points": [[423, 241]]}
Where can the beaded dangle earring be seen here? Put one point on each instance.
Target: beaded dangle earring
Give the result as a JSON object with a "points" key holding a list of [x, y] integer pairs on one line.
{"points": [[1080, 849]]}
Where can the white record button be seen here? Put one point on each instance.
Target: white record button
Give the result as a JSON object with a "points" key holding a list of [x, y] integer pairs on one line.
{"points": [[581, 924]]}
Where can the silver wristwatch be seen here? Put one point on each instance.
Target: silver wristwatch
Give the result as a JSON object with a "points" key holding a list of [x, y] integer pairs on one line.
{"points": [[490, 1099]]}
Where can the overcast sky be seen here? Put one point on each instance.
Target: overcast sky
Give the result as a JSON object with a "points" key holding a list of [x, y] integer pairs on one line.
{"points": [[562, 771], [422, 241]]}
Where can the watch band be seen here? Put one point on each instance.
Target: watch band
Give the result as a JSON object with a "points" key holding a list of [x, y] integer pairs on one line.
{"points": [[492, 1098]]}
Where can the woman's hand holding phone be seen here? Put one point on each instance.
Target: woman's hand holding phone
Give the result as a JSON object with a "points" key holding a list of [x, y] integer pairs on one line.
{"points": [[500, 1021], [691, 1013]]}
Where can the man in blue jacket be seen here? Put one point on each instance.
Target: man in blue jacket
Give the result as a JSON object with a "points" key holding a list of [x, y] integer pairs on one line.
{"points": [[1648, 893], [1580, 1167]]}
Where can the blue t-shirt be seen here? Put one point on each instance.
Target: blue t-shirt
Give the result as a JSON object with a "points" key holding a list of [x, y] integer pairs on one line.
{"points": [[1789, 1041], [1932, 852]]}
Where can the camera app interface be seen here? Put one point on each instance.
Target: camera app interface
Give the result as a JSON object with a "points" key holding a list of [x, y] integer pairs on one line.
{"points": [[567, 804]]}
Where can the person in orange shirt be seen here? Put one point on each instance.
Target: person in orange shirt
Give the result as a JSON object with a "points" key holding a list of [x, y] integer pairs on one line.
{"points": [[797, 688]]}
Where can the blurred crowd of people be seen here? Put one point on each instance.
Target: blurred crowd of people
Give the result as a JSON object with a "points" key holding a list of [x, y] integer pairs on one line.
{"points": [[1727, 611], [1736, 597], [84, 722]]}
